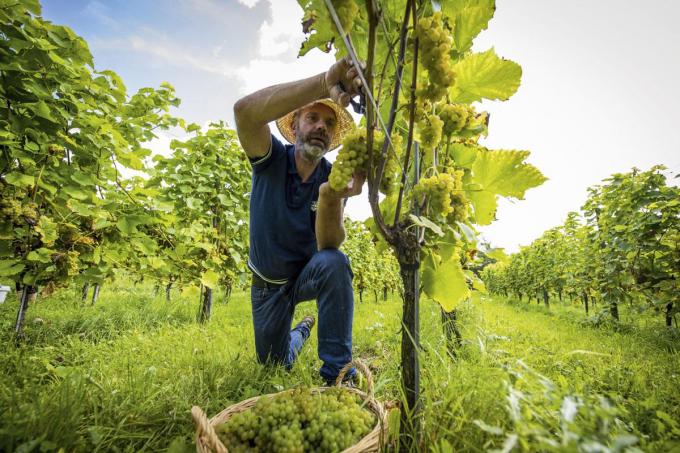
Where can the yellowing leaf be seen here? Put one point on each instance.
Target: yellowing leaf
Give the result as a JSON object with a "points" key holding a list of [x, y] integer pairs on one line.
{"points": [[485, 76], [468, 23]]}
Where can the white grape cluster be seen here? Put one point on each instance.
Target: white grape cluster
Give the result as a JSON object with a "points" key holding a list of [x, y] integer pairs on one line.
{"points": [[444, 195], [435, 43], [354, 156], [297, 422], [430, 128], [461, 119]]}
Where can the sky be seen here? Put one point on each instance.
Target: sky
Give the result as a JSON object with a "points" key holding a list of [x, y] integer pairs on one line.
{"points": [[600, 89]]}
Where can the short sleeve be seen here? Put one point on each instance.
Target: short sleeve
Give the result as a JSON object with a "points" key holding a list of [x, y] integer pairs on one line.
{"points": [[275, 152]]}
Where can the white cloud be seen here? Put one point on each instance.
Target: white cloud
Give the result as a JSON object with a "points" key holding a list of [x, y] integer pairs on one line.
{"points": [[280, 35], [248, 3]]}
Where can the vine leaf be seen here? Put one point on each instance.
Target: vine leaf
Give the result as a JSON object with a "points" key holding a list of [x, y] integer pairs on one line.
{"points": [[318, 24], [19, 179], [463, 155], [444, 282], [424, 222], [468, 20], [500, 172], [210, 278], [485, 76]]}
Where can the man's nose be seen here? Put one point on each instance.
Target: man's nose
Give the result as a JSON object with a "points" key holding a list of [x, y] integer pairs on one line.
{"points": [[321, 127]]}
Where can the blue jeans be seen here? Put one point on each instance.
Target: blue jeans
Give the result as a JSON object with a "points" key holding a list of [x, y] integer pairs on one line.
{"points": [[327, 277]]}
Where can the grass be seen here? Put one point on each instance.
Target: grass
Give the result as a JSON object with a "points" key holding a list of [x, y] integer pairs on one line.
{"points": [[122, 375]]}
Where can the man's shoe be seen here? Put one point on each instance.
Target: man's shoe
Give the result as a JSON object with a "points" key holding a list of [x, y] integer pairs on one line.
{"points": [[348, 381], [308, 321]]}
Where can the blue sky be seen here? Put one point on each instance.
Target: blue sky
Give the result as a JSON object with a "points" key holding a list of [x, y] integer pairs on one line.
{"points": [[599, 94], [191, 44]]}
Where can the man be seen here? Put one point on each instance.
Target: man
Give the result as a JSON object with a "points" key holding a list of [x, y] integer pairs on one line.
{"points": [[296, 218]]}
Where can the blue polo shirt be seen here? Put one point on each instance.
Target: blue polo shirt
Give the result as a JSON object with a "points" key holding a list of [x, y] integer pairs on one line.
{"points": [[282, 214]]}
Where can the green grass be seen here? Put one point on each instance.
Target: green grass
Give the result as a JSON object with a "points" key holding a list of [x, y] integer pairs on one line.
{"points": [[122, 375]]}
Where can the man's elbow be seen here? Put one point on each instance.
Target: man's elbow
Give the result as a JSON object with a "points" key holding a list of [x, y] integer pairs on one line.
{"points": [[241, 109]]}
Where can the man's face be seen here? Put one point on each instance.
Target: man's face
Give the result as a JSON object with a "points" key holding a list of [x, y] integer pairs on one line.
{"points": [[314, 129]]}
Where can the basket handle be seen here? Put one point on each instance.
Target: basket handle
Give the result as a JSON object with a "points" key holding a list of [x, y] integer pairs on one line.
{"points": [[206, 431], [361, 366]]}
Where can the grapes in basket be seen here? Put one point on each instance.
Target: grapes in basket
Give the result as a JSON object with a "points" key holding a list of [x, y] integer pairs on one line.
{"points": [[299, 421]]}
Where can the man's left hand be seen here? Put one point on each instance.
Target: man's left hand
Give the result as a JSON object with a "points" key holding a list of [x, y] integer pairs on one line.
{"points": [[353, 187]]}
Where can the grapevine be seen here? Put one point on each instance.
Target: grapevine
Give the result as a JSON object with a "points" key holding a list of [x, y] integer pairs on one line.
{"points": [[298, 421]]}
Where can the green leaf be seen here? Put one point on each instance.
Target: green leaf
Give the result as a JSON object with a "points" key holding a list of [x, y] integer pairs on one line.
{"points": [[41, 255], [20, 179], [83, 209], [485, 76], [463, 155], [445, 282], [127, 225], [82, 178], [10, 267], [319, 24], [498, 254], [424, 222], [504, 173], [468, 23], [47, 229], [210, 278], [484, 204], [75, 192]]}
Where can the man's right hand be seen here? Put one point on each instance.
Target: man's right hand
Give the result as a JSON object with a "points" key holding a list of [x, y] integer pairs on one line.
{"points": [[343, 71]]}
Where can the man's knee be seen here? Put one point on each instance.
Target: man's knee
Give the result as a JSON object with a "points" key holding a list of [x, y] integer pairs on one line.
{"points": [[334, 261]]}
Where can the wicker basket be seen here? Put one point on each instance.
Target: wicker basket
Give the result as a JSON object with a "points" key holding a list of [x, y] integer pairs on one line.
{"points": [[207, 440]]}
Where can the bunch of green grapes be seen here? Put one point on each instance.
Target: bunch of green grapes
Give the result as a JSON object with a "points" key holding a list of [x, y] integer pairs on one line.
{"points": [[462, 119], [459, 202], [438, 190], [29, 212], [298, 421], [11, 210], [430, 128], [435, 43], [454, 116], [352, 156], [347, 11]]}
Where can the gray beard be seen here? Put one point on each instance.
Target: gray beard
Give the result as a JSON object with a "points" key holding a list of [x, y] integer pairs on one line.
{"points": [[310, 152]]}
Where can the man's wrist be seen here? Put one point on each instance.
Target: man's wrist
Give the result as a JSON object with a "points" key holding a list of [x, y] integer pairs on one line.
{"points": [[324, 86], [329, 196]]}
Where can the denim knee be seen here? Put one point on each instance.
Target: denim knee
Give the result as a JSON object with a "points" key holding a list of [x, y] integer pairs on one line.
{"points": [[333, 261]]}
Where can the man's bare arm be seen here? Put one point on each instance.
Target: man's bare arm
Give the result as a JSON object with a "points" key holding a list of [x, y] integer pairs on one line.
{"points": [[254, 112], [330, 232]]}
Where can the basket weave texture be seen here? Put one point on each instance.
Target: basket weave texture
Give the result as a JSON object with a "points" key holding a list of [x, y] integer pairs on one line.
{"points": [[207, 440]]}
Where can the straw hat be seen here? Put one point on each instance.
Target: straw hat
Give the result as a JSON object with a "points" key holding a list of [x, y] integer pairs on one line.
{"points": [[345, 123]]}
